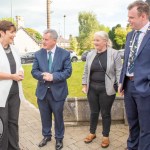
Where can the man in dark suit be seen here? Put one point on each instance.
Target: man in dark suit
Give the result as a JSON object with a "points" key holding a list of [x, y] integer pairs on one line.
{"points": [[135, 77], [51, 67]]}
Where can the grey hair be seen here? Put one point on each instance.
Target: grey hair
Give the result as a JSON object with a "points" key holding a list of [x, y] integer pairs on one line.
{"points": [[53, 33], [104, 35]]}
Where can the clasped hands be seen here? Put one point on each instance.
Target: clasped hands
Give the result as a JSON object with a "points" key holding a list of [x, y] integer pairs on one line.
{"points": [[47, 76]]}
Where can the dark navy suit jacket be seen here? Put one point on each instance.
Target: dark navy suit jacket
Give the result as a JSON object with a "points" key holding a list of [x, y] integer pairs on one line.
{"points": [[61, 70], [142, 65]]}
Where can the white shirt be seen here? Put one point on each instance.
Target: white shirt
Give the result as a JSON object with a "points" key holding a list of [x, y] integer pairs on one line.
{"points": [[141, 36], [53, 53]]}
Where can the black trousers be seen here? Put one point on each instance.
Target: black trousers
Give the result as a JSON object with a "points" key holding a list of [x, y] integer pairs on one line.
{"points": [[9, 116], [100, 101]]}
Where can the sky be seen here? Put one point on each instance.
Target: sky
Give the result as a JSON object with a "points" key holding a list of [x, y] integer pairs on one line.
{"points": [[108, 12]]}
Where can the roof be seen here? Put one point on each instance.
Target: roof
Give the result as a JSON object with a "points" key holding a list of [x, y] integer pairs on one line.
{"points": [[21, 28]]}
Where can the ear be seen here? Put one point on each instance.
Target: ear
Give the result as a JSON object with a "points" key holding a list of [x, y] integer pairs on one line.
{"points": [[2, 33], [144, 16]]}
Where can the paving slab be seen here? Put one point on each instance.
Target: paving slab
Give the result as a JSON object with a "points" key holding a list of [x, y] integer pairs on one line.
{"points": [[30, 133]]}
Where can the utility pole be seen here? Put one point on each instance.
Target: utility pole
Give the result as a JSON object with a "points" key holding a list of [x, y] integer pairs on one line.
{"points": [[48, 13], [11, 9], [64, 30]]}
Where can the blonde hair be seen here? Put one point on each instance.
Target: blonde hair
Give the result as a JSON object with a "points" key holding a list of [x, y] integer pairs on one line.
{"points": [[104, 35]]}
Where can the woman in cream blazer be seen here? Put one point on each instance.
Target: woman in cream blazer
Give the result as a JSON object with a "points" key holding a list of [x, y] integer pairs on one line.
{"points": [[102, 70], [11, 73]]}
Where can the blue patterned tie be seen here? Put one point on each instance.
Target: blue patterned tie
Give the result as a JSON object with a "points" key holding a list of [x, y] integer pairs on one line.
{"points": [[50, 61], [133, 53]]}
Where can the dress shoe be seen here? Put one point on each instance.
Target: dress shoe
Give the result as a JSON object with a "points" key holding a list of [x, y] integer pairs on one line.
{"points": [[59, 144], [44, 141], [105, 142], [89, 138]]}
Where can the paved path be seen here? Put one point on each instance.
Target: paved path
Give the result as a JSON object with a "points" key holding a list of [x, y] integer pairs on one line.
{"points": [[30, 134]]}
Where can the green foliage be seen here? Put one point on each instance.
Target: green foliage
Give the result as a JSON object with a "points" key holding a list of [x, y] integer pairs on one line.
{"points": [[120, 36], [74, 82], [9, 19], [35, 34], [112, 36], [74, 44], [88, 25], [29, 85], [104, 28]]}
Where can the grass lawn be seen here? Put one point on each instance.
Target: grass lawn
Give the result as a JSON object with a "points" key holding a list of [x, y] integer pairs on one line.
{"points": [[74, 82]]}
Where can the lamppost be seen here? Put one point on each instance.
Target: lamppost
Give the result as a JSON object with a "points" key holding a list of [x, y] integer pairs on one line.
{"points": [[64, 30], [64, 25]]}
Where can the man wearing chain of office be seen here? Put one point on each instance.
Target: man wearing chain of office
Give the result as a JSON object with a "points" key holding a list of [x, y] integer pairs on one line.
{"points": [[135, 77]]}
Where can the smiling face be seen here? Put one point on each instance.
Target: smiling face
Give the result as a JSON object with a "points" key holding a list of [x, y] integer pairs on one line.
{"points": [[135, 20], [48, 41], [8, 35], [100, 44]]}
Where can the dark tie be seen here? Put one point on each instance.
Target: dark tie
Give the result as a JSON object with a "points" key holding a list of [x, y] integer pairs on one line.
{"points": [[50, 61], [133, 53]]}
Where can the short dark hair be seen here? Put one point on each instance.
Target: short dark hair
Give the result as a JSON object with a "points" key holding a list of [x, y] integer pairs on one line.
{"points": [[142, 7], [6, 25]]}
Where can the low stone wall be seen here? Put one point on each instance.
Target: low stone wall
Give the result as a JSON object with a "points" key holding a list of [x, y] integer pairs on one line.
{"points": [[77, 112]]}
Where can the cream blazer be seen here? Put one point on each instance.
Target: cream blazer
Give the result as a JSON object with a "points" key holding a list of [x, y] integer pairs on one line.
{"points": [[114, 66], [5, 85]]}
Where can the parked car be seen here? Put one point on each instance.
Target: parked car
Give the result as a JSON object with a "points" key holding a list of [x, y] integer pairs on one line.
{"points": [[84, 54], [121, 53], [28, 57], [73, 56]]}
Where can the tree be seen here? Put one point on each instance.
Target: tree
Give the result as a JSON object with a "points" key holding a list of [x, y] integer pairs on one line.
{"points": [[9, 19], [120, 37], [112, 36], [74, 44], [33, 33], [88, 24], [104, 28]]}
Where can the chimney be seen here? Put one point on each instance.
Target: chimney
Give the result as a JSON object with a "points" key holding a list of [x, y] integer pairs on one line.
{"points": [[19, 22]]}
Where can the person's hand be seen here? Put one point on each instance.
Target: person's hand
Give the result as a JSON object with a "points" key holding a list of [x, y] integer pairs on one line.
{"points": [[84, 89], [17, 77], [47, 76], [21, 73], [120, 91]]}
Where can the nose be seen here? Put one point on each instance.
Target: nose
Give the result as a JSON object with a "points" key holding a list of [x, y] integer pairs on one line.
{"points": [[14, 34]]}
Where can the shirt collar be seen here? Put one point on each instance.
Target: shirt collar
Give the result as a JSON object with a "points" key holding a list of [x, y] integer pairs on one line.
{"points": [[144, 29], [52, 50]]}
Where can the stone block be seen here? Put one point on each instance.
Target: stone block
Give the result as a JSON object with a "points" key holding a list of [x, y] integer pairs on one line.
{"points": [[76, 110]]}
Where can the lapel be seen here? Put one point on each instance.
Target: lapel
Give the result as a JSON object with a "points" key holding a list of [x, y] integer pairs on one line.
{"points": [[94, 52], [44, 58], [56, 58], [16, 57], [144, 41], [109, 59], [127, 46], [4, 61]]}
